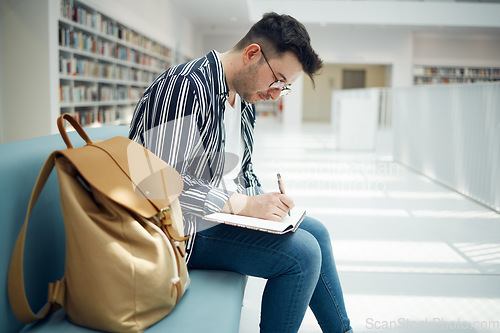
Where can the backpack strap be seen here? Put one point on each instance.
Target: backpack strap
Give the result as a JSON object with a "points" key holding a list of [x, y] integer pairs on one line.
{"points": [[17, 293], [76, 125]]}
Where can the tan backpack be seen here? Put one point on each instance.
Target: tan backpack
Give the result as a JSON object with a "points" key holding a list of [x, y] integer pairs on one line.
{"points": [[125, 268]]}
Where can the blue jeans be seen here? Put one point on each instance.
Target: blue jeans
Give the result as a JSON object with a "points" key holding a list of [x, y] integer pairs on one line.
{"points": [[299, 267]]}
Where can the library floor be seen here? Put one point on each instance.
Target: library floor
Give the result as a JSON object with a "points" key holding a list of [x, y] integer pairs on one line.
{"points": [[412, 255]]}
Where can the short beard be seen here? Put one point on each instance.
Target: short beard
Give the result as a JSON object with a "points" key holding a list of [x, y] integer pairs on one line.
{"points": [[244, 82]]}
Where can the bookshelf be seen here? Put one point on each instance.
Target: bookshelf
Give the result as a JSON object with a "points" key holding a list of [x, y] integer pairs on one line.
{"points": [[269, 108], [104, 66], [423, 74]]}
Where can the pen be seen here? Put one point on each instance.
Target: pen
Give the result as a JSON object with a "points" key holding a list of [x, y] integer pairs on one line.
{"points": [[280, 186]]}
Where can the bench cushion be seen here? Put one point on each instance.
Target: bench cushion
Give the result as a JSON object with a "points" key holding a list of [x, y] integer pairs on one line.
{"points": [[211, 304]]}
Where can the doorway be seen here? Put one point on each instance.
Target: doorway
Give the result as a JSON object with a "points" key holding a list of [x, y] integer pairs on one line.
{"points": [[353, 78]]}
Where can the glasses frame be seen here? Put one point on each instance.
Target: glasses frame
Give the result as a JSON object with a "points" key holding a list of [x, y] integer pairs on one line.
{"points": [[277, 84]]}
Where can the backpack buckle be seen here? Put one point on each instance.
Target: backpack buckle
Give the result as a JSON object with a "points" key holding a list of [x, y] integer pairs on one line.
{"points": [[161, 215]]}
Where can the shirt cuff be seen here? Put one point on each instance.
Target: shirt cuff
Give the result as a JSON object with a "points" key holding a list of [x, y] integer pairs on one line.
{"points": [[215, 200], [251, 191]]}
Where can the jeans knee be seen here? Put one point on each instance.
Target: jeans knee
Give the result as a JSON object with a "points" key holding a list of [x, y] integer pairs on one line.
{"points": [[318, 230], [315, 226], [308, 256]]}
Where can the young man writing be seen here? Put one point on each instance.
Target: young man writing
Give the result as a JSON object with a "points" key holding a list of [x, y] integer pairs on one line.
{"points": [[199, 118]]}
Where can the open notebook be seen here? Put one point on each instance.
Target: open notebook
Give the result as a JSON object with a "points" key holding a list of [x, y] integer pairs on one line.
{"points": [[289, 223]]}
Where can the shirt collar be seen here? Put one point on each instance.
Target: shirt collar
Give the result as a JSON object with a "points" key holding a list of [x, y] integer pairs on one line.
{"points": [[219, 76]]}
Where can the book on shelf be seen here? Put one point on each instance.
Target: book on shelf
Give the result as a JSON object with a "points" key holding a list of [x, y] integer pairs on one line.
{"points": [[288, 224], [107, 115], [84, 93], [65, 93], [454, 74], [85, 117]]}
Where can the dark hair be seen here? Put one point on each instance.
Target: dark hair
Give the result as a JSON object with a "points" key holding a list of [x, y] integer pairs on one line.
{"points": [[280, 33]]}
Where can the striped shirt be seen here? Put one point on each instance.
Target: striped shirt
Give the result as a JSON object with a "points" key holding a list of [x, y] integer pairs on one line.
{"points": [[180, 118]]}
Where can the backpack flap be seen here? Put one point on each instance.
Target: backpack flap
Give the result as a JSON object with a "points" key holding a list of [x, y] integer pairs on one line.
{"points": [[145, 186]]}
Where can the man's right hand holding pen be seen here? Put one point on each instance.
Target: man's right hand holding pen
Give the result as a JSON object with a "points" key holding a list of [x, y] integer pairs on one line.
{"points": [[270, 206]]}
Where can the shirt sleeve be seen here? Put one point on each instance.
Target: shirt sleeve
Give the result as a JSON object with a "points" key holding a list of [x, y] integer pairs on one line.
{"points": [[200, 198], [248, 181]]}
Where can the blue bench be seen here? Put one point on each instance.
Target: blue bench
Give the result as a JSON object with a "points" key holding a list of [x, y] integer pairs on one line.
{"points": [[212, 303]]}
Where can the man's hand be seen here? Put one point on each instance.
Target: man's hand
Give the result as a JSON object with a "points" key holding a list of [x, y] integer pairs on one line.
{"points": [[270, 206]]}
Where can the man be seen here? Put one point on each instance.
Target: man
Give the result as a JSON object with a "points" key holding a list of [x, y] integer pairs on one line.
{"points": [[199, 118]]}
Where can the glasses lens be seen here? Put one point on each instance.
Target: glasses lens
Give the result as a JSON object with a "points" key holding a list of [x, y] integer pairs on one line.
{"points": [[277, 85], [285, 91]]}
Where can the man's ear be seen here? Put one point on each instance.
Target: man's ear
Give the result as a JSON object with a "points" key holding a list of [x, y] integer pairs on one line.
{"points": [[252, 54]]}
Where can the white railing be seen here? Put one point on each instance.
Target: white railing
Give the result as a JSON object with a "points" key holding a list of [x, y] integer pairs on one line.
{"points": [[385, 110], [357, 114], [451, 133]]}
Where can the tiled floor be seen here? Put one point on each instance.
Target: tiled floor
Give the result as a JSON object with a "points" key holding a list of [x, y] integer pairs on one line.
{"points": [[413, 256]]}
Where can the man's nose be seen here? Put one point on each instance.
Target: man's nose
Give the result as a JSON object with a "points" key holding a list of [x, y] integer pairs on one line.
{"points": [[274, 93]]}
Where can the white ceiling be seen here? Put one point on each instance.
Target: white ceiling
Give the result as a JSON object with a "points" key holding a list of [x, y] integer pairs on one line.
{"points": [[216, 14], [424, 16]]}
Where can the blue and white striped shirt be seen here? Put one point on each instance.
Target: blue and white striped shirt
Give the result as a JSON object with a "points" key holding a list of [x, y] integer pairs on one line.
{"points": [[180, 118]]}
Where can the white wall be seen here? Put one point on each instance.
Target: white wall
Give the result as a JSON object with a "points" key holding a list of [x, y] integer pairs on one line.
{"points": [[220, 41], [26, 69], [292, 105], [465, 49]]}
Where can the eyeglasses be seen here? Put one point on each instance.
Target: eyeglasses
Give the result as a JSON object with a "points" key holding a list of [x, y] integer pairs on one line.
{"points": [[278, 84]]}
